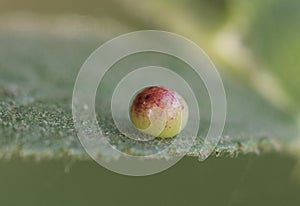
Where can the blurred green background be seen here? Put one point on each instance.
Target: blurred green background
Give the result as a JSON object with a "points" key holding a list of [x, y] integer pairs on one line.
{"points": [[254, 44]]}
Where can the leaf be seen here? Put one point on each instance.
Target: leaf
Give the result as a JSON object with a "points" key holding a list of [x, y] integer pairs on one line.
{"points": [[37, 75]]}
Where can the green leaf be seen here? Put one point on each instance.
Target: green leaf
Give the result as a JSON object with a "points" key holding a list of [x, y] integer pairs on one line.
{"points": [[37, 75]]}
